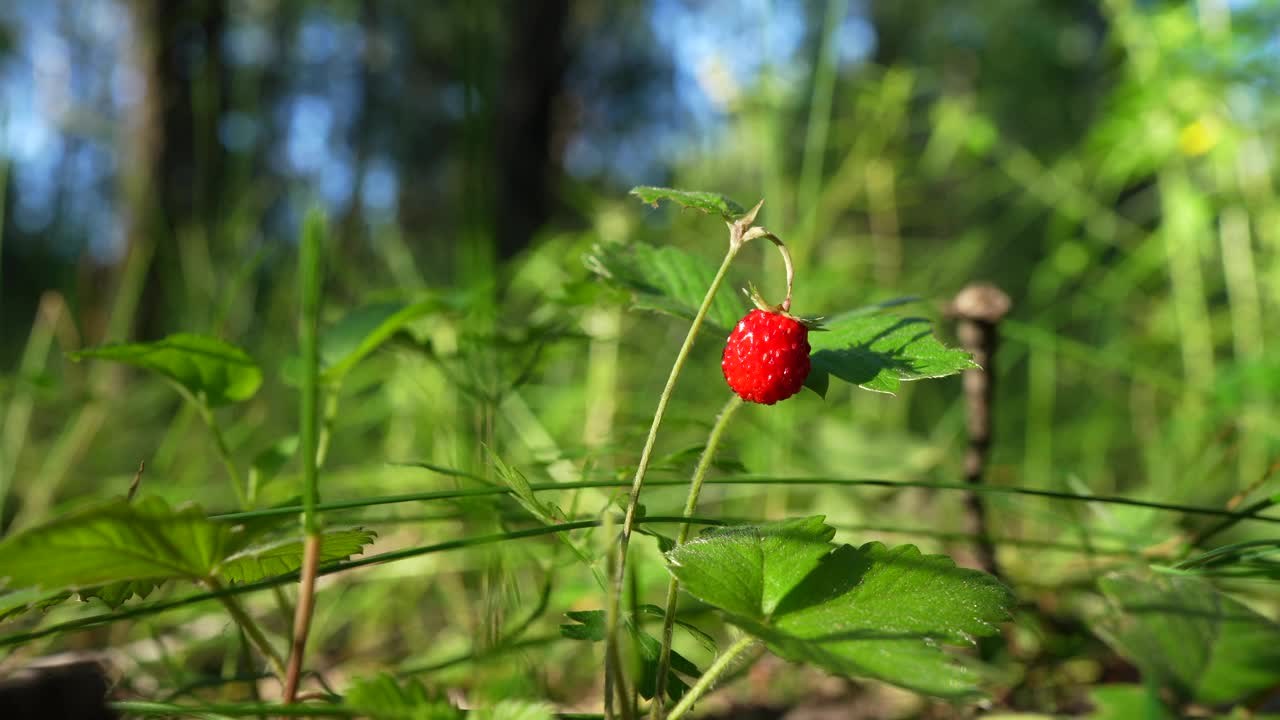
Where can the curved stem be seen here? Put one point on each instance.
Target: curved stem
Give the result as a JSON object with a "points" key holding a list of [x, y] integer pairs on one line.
{"points": [[760, 232], [673, 585], [709, 677], [615, 590]]}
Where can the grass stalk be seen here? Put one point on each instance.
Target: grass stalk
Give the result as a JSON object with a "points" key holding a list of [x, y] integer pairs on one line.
{"points": [[673, 585]]}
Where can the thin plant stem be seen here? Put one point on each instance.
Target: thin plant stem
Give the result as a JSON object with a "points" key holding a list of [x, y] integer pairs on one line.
{"points": [[220, 444], [673, 585], [250, 628], [615, 591], [309, 272], [709, 678], [302, 615], [1249, 513]]}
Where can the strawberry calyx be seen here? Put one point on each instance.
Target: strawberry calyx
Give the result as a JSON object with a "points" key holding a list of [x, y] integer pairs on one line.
{"points": [[811, 322]]}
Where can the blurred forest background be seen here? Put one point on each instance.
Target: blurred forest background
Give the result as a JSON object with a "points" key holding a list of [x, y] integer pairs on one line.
{"points": [[1111, 164]]}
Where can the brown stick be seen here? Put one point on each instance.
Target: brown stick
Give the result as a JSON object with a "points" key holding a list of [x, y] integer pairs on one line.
{"points": [[302, 616], [978, 309]]}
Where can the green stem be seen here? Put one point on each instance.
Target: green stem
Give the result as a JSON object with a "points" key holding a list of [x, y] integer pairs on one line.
{"points": [[250, 628], [144, 708], [326, 426], [220, 444], [673, 585], [615, 590], [713, 673], [1248, 513], [310, 272]]}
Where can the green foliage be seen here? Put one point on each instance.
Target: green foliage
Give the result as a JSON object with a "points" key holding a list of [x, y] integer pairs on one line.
{"points": [[1189, 637], [862, 347], [666, 280], [878, 352], [707, 202], [1127, 702], [383, 698], [119, 549], [1250, 559], [590, 625], [363, 331], [205, 367], [871, 611], [284, 555]]}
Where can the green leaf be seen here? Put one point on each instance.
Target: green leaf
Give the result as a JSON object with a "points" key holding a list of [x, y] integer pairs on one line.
{"points": [[37, 598], [203, 366], [877, 352], [384, 698], [871, 611], [282, 556], [1186, 635], [116, 594], [1127, 702], [119, 549], [707, 202], [590, 625], [114, 542], [363, 330], [21, 601], [666, 280]]}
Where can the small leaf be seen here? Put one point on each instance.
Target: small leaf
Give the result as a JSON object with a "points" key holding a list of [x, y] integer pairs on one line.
{"points": [[871, 611], [365, 329], [666, 280], [590, 625], [707, 202], [1186, 635], [384, 698], [877, 352], [205, 367], [285, 555]]}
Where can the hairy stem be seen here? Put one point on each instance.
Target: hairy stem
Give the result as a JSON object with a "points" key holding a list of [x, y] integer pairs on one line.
{"points": [[709, 678], [615, 590], [673, 585], [302, 617]]}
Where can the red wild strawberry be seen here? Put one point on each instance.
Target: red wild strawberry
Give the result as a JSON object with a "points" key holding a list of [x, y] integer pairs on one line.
{"points": [[767, 357]]}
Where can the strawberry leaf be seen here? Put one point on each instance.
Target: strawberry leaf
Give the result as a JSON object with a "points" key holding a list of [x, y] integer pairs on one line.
{"points": [[666, 280], [707, 202], [871, 611], [206, 367], [1186, 635], [878, 352]]}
